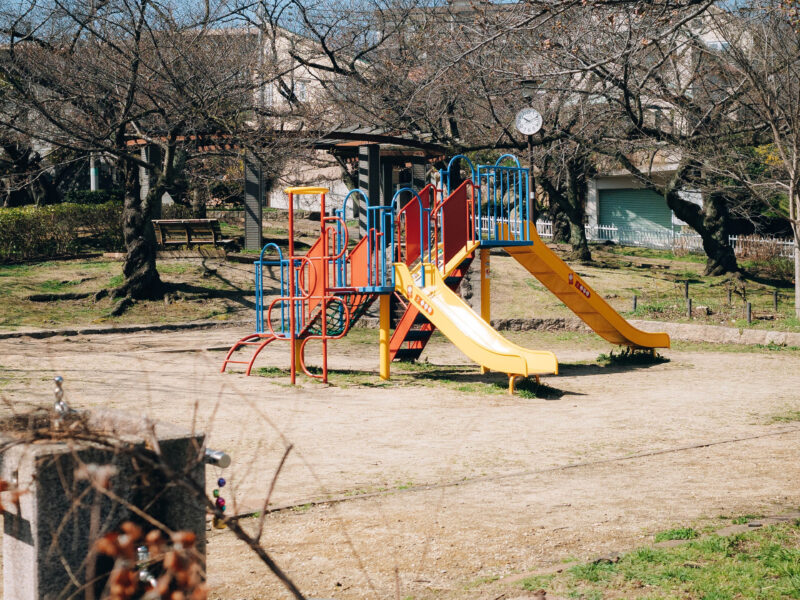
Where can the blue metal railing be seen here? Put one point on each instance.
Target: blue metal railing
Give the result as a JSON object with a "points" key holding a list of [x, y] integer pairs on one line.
{"points": [[341, 263], [283, 268], [444, 174], [380, 228], [503, 199]]}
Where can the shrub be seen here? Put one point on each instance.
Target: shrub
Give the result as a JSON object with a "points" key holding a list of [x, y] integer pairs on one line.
{"points": [[34, 232], [97, 197]]}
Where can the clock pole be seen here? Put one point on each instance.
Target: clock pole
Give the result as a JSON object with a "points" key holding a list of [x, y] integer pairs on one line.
{"points": [[528, 122], [531, 183]]}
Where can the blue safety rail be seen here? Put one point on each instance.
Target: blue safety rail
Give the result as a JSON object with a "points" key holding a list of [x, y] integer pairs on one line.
{"points": [[284, 286], [445, 175], [341, 236], [503, 200], [366, 267], [380, 229]]}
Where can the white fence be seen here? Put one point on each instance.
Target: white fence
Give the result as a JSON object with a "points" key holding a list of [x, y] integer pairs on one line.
{"points": [[661, 239], [751, 245], [748, 245]]}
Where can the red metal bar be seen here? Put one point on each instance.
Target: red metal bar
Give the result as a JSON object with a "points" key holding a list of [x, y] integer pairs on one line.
{"points": [[324, 266], [293, 336]]}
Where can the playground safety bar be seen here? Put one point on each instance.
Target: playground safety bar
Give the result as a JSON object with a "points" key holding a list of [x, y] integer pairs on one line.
{"points": [[259, 264], [507, 199], [380, 277], [444, 174]]}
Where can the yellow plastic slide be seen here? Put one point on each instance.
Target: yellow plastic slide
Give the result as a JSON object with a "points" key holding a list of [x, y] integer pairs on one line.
{"points": [[468, 331], [556, 276]]}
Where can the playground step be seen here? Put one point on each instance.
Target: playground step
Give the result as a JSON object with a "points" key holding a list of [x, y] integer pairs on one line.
{"points": [[420, 319], [418, 335], [408, 354]]}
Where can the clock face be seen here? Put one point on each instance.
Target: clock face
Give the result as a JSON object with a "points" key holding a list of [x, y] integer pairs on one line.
{"points": [[528, 121]]}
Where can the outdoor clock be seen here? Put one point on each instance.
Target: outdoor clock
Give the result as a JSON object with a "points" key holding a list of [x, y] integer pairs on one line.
{"points": [[528, 121]]}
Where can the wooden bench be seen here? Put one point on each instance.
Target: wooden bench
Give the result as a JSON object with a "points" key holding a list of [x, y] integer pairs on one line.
{"points": [[184, 232]]}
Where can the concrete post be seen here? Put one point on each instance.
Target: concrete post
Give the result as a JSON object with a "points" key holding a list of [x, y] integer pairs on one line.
{"points": [[253, 189], [49, 535]]}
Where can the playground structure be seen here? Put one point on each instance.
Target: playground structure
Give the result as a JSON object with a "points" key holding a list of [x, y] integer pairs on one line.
{"points": [[418, 253]]}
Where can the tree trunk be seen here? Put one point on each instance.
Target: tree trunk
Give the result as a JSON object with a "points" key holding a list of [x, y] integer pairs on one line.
{"points": [[198, 204], [576, 212], [711, 223], [572, 207], [561, 228], [578, 241], [141, 277], [716, 242], [796, 274]]}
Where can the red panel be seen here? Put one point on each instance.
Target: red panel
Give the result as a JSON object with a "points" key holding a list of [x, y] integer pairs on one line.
{"points": [[312, 279], [412, 212], [455, 222], [359, 269]]}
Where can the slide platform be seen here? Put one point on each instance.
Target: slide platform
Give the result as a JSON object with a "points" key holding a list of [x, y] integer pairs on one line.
{"points": [[468, 331], [581, 299]]}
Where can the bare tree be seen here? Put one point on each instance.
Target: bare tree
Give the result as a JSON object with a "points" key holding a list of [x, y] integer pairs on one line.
{"points": [[119, 77], [760, 49]]}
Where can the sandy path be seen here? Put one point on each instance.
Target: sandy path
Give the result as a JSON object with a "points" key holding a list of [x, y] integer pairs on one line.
{"points": [[352, 440]]}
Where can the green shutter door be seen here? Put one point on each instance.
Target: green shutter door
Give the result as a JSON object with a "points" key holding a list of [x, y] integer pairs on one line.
{"points": [[636, 210]]}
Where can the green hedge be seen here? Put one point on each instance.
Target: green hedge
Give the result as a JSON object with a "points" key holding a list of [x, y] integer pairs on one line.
{"points": [[31, 232], [96, 197]]}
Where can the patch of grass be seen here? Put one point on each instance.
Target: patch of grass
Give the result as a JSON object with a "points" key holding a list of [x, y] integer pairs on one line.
{"points": [[654, 309], [763, 563], [15, 270], [481, 581], [684, 346], [652, 253], [56, 285], [461, 378], [684, 533], [302, 508], [744, 519], [116, 281], [789, 416], [773, 347], [537, 582], [176, 268], [271, 372]]}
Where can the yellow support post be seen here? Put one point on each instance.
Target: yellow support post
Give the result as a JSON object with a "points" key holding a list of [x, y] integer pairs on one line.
{"points": [[384, 322], [297, 358], [486, 299]]}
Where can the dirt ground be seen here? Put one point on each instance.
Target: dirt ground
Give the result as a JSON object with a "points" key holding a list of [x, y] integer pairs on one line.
{"points": [[514, 485]]}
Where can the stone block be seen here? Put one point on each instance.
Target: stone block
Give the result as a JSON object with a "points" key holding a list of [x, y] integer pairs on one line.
{"points": [[49, 534]]}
